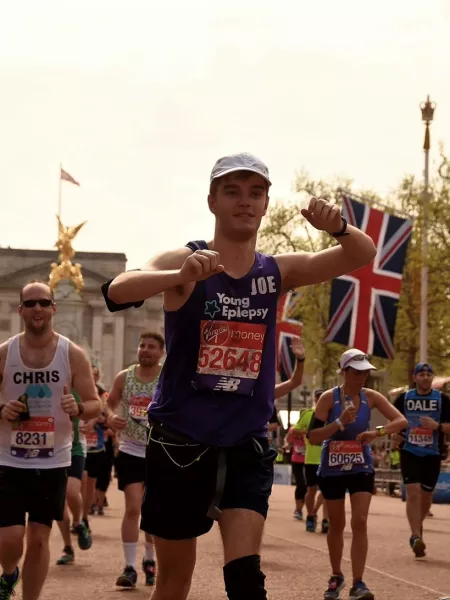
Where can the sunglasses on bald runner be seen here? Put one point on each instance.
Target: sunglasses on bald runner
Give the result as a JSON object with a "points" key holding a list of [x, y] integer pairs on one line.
{"points": [[43, 302]]}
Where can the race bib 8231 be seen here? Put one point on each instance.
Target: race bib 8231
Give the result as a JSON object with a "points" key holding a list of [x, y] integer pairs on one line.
{"points": [[34, 438]]}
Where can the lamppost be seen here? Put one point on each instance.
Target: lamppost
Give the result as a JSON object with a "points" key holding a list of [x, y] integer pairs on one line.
{"points": [[427, 109]]}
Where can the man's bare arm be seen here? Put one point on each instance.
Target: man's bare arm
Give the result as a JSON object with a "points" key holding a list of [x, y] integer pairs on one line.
{"points": [[116, 391], [299, 269], [161, 273], [83, 382]]}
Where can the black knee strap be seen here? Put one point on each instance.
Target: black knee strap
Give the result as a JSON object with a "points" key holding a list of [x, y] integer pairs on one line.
{"points": [[244, 579]]}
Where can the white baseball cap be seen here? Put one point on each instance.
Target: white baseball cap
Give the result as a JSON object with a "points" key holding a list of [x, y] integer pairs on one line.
{"points": [[240, 162], [356, 359]]}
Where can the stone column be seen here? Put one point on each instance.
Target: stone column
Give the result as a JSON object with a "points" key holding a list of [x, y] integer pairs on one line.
{"points": [[119, 342], [97, 329], [15, 323]]}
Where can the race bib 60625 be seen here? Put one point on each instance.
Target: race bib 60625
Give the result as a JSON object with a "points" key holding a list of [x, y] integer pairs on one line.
{"points": [[345, 454]]}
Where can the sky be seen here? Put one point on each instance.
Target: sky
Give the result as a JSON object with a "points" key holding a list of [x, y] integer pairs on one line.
{"points": [[138, 99]]}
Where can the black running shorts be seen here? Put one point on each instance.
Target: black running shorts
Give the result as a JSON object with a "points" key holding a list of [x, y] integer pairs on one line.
{"points": [[94, 463], [312, 479], [176, 500], [39, 492], [336, 486], [130, 469], [77, 467], [420, 469]]}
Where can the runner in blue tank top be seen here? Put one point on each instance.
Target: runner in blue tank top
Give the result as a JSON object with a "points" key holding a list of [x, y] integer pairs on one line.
{"points": [[428, 414], [208, 455], [341, 421]]}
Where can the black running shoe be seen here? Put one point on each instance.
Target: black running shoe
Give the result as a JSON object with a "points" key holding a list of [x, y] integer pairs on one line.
{"points": [[7, 585], [128, 578], [418, 546], [325, 526], [311, 523], [360, 591], [67, 557], [84, 536], [149, 568], [335, 585]]}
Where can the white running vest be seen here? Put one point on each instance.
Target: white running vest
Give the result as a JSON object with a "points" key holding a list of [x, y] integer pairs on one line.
{"points": [[134, 402], [45, 440]]}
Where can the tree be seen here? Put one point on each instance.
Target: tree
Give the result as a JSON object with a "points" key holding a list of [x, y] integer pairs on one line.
{"points": [[286, 230]]}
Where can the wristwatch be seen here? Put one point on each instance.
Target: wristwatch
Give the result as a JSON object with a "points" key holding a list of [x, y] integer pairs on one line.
{"points": [[380, 430]]}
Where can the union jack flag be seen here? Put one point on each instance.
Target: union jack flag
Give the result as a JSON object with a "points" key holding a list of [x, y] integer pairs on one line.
{"points": [[363, 307], [287, 328]]}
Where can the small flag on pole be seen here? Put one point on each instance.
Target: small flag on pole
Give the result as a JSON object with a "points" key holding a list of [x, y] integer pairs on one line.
{"points": [[66, 177]]}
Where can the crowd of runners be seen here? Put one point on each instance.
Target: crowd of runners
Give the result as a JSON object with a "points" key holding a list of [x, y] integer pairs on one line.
{"points": [[193, 432]]}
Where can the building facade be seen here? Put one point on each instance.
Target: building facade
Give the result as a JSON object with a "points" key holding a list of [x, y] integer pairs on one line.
{"points": [[110, 339]]}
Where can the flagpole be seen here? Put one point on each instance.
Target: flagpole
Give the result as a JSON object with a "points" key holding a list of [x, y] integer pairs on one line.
{"points": [[60, 192], [427, 109]]}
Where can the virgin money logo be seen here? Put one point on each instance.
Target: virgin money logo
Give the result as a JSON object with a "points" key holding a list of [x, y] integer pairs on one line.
{"points": [[215, 333]]}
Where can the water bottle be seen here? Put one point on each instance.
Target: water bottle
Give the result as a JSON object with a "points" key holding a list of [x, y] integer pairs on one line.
{"points": [[25, 415], [348, 402]]}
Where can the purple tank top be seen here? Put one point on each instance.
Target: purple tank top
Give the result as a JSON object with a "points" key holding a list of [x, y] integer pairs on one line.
{"points": [[217, 383]]}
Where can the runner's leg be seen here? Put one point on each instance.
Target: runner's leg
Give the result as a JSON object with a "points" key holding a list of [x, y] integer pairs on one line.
{"points": [[134, 493], [176, 562], [360, 503], [414, 507], [11, 547], [335, 537], [37, 558], [242, 532]]}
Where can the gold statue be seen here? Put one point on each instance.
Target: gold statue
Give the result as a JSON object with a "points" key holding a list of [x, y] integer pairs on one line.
{"points": [[66, 270]]}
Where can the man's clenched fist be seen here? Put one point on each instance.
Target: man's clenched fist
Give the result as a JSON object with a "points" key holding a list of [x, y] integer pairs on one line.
{"points": [[201, 265], [322, 215]]}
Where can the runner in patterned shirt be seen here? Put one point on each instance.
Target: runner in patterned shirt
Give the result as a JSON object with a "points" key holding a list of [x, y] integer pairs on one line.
{"points": [[131, 394]]}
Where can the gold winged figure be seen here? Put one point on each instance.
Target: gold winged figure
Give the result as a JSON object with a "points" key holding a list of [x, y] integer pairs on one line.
{"points": [[66, 270]]}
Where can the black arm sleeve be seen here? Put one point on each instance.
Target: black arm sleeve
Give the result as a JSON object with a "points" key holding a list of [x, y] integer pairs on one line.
{"points": [[400, 403], [113, 306], [275, 418], [315, 424], [445, 409]]}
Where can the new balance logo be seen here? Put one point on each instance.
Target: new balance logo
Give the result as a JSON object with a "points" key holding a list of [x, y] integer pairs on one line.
{"points": [[227, 384]]}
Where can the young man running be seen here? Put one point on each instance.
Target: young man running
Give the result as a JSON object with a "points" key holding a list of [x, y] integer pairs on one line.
{"points": [[428, 414], [131, 394], [312, 462], [37, 370], [208, 439], [341, 422]]}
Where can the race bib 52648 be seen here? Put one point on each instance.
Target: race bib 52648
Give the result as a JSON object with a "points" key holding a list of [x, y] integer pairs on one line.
{"points": [[34, 438], [230, 355], [420, 436], [345, 454], [231, 348]]}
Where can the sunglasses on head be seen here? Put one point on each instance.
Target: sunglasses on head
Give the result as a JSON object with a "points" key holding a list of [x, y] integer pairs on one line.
{"points": [[44, 302]]}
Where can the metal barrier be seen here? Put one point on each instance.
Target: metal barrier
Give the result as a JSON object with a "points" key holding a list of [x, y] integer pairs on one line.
{"points": [[384, 477]]}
